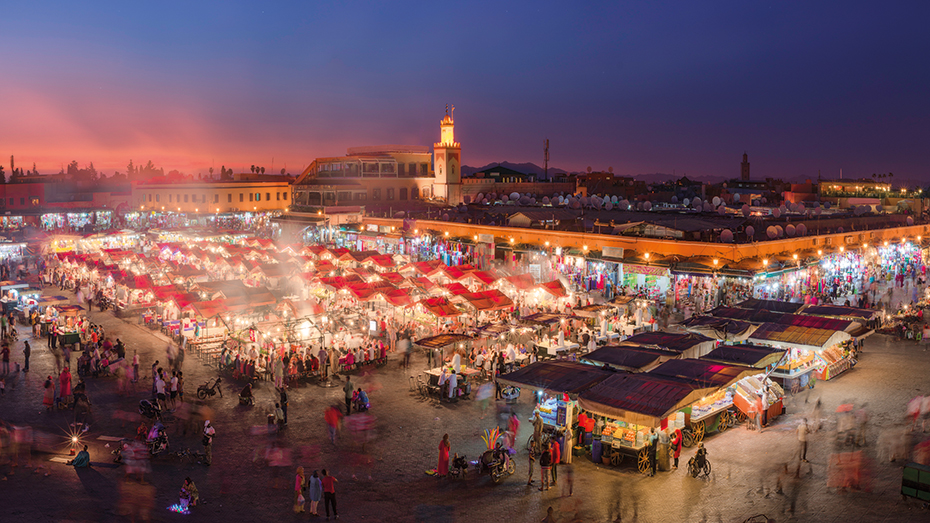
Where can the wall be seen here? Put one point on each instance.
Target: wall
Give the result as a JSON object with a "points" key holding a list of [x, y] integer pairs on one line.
{"points": [[732, 252], [202, 197]]}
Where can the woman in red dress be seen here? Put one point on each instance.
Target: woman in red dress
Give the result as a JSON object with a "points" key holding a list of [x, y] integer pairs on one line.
{"points": [[443, 468]]}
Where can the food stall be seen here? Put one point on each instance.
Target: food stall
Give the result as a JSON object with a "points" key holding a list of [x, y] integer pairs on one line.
{"points": [[724, 329], [630, 358], [459, 344], [687, 345], [810, 350], [756, 356], [748, 391], [714, 410], [69, 332], [629, 406], [557, 385]]}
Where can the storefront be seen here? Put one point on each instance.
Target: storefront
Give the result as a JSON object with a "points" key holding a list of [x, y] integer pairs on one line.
{"points": [[652, 280], [811, 351]]}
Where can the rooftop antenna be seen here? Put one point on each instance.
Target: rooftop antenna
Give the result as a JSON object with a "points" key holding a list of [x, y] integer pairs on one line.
{"points": [[546, 151]]}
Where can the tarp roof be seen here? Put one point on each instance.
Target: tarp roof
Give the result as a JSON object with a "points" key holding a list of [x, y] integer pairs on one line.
{"points": [[718, 328], [398, 297], [542, 318], [800, 320], [554, 288], [628, 358], [770, 305], [749, 355], [704, 373], [558, 376], [439, 307], [485, 277], [640, 399], [456, 288], [489, 300], [839, 311], [798, 337], [522, 282], [684, 343], [443, 340], [590, 311]]}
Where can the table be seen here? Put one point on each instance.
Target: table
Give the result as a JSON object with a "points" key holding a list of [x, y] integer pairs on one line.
{"points": [[69, 338]]}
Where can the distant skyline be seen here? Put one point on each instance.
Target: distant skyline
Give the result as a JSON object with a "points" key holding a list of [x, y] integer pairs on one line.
{"points": [[681, 87]]}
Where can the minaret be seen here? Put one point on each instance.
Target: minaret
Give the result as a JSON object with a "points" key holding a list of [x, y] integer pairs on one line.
{"points": [[447, 161], [744, 168]]}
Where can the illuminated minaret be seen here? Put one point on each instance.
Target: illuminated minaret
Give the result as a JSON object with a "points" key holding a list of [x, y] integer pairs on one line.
{"points": [[744, 168], [447, 161]]}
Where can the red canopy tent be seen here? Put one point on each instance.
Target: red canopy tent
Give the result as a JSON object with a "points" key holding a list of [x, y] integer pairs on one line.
{"points": [[555, 288]]}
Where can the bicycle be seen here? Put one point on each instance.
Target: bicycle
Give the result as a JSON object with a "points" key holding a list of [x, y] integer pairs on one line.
{"points": [[190, 456]]}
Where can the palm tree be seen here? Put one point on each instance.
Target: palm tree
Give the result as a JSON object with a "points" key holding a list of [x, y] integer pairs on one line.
{"points": [[263, 170], [253, 169], [210, 170]]}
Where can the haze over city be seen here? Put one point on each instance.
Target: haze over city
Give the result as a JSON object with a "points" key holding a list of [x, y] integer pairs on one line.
{"points": [[643, 88]]}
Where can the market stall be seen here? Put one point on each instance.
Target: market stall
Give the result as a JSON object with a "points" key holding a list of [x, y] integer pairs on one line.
{"points": [[758, 392], [557, 385], [688, 345], [809, 350], [724, 329], [630, 358], [756, 356], [630, 405]]}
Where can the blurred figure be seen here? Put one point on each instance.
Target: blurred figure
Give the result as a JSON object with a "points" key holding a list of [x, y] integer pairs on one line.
{"points": [[136, 500], [862, 420], [332, 416], [568, 472]]}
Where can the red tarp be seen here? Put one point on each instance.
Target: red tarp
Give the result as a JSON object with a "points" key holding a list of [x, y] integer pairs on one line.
{"points": [[554, 288], [382, 260], [523, 282], [485, 277], [488, 300], [427, 268], [439, 307], [398, 297], [395, 278], [456, 288]]}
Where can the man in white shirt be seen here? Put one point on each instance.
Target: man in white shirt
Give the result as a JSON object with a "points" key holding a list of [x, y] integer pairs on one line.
{"points": [[173, 389], [160, 391], [453, 381]]}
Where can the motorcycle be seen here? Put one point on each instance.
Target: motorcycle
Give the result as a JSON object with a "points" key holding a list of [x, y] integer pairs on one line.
{"points": [[459, 466], [157, 439], [496, 462], [208, 389], [150, 409]]}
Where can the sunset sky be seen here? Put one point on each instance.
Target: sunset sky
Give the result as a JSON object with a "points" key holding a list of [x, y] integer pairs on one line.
{"points": [[643, 87]]}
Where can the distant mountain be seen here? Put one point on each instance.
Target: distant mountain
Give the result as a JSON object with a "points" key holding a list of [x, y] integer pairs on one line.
{"points": [[527, 168]]}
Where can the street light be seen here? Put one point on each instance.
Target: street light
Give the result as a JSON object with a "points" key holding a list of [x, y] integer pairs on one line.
{"points": [[646, 255]]}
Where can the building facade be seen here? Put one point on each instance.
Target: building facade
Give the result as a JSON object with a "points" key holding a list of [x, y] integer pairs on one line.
{"points": [[211, 197]]}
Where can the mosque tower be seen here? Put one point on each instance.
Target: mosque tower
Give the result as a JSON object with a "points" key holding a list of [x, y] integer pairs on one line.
{"points": [[447, 162], [744, 168]]}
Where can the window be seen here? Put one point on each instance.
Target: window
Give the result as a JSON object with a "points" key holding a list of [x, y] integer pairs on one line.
{"points": [[415, 193], [241, 197], [35, 201], [11, 201], [402, 194], [424, 169], [185, 199], [251, 196], [285, 196], [157, 198], [170, 198], [452, 170], [150, 197], [400, 169], [390, 193], [22, 201], [203, 198], [267, 196], [375, 194], [361, 197], [345, 196], [216, 198], [412, 169], [229, 198], [278, 195], [179, 198]]}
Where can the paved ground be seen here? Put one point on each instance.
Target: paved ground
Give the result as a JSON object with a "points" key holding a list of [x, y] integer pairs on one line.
{"points": [[385, 481]]}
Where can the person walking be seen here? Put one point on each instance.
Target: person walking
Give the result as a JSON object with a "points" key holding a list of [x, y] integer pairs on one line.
{"points": [[135, 367], [64, 380], [443, 469], [556, 450], [545, 463], [653, 447], [348, 389], [208, 434], [314, 492], [329, 493], [332, 417], [677, 439], [299, 483], [27, 351], [48, 398], [5, 353], [531, 459], [802, 440], [283, 402]]}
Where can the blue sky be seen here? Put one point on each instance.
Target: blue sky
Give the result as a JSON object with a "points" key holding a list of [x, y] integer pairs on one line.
{"points": [[639, 86]]}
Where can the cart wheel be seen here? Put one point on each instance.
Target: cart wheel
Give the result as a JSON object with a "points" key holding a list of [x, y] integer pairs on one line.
{"points": [[642, 460], [698, 431], [616, 458], [511, 467], [687, 438], [740, 417], [706, 468], [723, 423]]}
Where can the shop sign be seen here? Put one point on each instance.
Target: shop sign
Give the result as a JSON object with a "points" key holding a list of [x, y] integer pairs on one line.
{"points": [[373, 227], [486, 238], [536, 271], [643, 269], [560, 415], [612, 252]]}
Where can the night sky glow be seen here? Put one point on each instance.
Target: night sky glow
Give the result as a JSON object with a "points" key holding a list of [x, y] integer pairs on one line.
{"points": [[643, 87]]}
